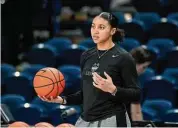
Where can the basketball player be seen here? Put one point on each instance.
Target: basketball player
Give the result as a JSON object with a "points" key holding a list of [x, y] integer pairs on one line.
{"points": [[143, 58], [109, 78]]}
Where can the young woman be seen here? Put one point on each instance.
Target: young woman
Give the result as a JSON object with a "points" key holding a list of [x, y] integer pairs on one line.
{"points": [[143, 58], [109, 78]]}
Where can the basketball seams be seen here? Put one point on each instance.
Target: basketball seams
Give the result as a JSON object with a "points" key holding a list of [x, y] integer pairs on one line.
{"points": [[48, 84], [50, 90], [44, 70], [61, 81], [45, 77], [54, 83], [51, 77]]}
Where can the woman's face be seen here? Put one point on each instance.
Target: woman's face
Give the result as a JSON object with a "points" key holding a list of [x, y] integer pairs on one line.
{"points": [[101, 30], [141, 67]]}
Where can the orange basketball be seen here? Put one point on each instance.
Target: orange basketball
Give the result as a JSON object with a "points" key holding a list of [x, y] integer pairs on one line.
{"points": [[65, 125], [18, 124], [43, 124], [49, 82]]}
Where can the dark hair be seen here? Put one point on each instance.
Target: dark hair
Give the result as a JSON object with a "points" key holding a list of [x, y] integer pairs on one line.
{"points": [[113, 21], [141, 55]]}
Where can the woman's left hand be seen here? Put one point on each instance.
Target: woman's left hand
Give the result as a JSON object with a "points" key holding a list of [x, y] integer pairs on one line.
{"points": [[105, 85]]}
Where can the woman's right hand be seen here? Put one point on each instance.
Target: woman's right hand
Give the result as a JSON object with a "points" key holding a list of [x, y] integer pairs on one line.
{"points": [[58, 99]]}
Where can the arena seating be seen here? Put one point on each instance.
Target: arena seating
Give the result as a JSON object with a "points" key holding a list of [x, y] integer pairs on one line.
{"points": [[159, 83]]}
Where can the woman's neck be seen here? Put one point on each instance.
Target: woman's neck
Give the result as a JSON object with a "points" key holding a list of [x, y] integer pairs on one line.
{"points": [[105, 46]]}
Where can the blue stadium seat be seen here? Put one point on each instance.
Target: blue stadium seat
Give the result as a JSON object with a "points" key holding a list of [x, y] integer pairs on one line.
{"points": [[173, 16], [72, 75], [29, 113], [134, 29], [6, 69], [149, 18], [160, 61], [129, 43], [42, 54], [172, 58], [55, 114], [48, 106], [160, 87], [12, 101], [21, 84], [171, 72], [148, 74], [60, 43], [33, 69], [149, 114], [71, 114], [171, 116], [160, 106], [70, 70], [164, 45], [170, 30], [71, 55], [120, 17], [154, 50], [156, 53], [87, 43]]}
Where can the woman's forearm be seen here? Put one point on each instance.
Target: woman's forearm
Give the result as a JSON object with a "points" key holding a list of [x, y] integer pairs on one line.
{"points": [[136, 113]]}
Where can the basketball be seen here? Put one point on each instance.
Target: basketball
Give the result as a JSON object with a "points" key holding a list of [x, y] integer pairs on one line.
{"points": [[49, 82], [43, 124], [65, 125], [18, 124]]}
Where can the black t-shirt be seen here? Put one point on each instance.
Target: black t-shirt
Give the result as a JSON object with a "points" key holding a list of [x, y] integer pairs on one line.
{"points": [[121, 67]]}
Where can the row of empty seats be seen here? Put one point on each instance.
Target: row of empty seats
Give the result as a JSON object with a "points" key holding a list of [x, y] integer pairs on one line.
{"points": [[149, 18], [55, 52], [154, 86], [137, 29], [159, 110], [60, 51], [40, 111], [37, 110], [14, 82]]}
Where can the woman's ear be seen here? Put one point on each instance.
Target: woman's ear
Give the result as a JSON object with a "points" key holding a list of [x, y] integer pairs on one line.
{"points": [[113, 31]]}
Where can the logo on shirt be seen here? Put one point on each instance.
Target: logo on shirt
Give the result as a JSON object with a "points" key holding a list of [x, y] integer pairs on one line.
{"points": [[115, 55], [95, 67]]}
